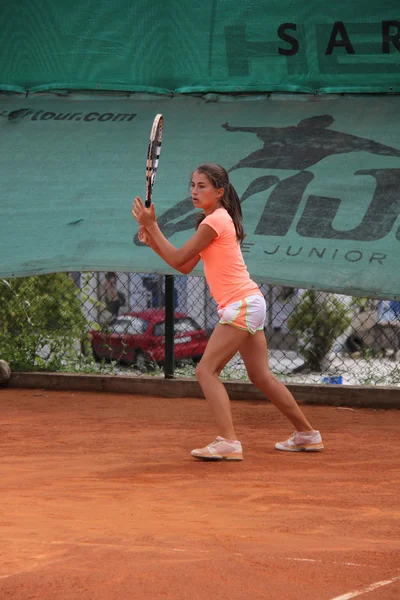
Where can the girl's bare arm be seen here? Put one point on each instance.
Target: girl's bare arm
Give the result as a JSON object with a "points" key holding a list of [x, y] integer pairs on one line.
{"points": [[190, 251], [147, 238]]}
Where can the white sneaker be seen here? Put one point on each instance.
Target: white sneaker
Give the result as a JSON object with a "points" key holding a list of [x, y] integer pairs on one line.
{"points": [[302, 441], [220, 449]]}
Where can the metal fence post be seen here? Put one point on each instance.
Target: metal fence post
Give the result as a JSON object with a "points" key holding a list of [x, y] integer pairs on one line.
{"points": [[169, 327]]}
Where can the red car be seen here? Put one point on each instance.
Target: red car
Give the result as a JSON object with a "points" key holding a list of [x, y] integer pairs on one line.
{"points": [[139, 337]]}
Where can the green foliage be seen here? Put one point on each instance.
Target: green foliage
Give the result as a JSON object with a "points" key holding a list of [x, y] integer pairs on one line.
{"points": [[318, 320], [40, 320]]}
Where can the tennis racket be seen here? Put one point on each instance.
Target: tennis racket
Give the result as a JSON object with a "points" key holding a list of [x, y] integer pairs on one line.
{"points": [[153, 156]]}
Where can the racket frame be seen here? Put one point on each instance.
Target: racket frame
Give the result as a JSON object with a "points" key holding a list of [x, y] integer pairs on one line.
{"points": [[153, 156]]}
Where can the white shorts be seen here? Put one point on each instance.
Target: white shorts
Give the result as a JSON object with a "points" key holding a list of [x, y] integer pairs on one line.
{"points": [[248, 314]]}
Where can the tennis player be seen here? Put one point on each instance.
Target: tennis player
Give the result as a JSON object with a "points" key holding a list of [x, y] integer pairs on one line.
{"points": [[241, 308]]}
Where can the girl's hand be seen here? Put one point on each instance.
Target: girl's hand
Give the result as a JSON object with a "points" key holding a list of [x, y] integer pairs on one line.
{"points": [[144, 216], [143, 236]]}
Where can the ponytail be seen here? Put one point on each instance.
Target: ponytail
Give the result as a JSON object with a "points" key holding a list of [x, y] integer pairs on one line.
{"points": [[231, 203]]}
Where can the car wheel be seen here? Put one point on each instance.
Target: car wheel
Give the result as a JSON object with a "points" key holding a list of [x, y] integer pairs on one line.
{"points": [[197, 359], [95, 355], [141, 361]]}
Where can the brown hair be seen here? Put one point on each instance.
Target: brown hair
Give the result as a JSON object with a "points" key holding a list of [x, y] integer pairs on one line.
{"points": [[219, 178]]}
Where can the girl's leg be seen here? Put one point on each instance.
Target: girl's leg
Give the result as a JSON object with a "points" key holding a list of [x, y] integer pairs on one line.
{"points": [[224, 342], [255, 356]]}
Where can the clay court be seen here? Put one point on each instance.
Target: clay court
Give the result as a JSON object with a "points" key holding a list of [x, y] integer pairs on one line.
{"points": [[101, 499]]}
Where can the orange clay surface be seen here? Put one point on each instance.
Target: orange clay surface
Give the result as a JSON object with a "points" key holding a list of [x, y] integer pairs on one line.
{"points": [[101, 500]]}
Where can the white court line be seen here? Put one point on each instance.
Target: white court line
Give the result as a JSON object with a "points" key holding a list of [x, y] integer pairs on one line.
{"points": [[316, 560], [31, 569], [370, 588], [12, 574], [320, 561]]}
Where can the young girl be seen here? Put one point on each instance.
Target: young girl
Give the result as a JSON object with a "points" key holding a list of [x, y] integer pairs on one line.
{"points": [[241, 307]]}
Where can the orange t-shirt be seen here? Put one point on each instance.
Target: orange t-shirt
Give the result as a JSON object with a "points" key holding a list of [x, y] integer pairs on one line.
{"points": [[224, 267]]}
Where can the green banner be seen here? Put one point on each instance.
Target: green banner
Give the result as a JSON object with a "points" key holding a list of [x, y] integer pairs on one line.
{"points": [[184, 46], [319, 181]]}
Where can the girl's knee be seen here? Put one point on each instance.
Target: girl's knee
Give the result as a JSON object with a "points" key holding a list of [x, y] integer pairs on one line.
{"points": [[253, 376], [198, 371], [201, 371], [261, 379], [205, 370]]}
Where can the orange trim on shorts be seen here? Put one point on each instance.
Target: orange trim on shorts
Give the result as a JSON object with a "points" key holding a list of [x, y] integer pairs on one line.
{"points": [[240, 320]]}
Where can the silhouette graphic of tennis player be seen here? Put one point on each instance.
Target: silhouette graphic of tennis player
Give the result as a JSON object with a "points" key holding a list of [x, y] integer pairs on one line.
{"points": [[304, 145]]}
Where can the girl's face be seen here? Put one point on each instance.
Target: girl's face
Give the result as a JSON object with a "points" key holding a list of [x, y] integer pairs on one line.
{"points": [[204, 194]]}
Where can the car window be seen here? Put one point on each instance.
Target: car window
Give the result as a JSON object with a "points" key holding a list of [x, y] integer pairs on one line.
{"points": [[159, 328], [185, 325], [120, 326], [181, 325], [137, 325], [132, 326]]}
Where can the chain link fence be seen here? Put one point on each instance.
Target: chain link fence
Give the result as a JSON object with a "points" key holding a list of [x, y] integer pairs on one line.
{"points": [[115, 323]]}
